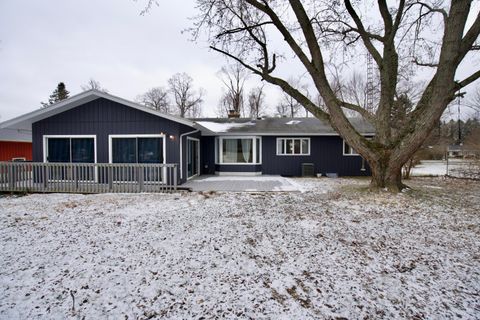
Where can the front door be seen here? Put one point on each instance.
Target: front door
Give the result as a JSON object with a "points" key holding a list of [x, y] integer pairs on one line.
{"points": [[193, 157]]}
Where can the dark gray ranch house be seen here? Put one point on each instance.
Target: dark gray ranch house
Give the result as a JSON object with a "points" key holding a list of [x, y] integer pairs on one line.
{"points": [[96, 127]]}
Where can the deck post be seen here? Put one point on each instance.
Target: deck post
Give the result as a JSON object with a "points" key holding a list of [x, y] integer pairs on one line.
{"points": [[45, 178], [75, 178], [175, 177], [110, 178], [140, 179], [11, 179]]}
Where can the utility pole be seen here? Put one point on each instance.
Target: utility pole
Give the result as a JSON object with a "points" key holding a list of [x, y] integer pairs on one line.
{"points": [[460, 96]]}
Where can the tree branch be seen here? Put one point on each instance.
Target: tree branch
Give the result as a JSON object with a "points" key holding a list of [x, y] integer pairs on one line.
{"points": [[285, 33], [297, 95], [399, 16], [362, 111], [387, 18], [470, 37], [424, 64], [465, 82], [246, 28], [364, 34]]}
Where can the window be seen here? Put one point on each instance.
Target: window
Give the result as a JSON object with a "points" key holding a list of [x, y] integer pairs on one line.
{"points": [[75, 149], [136, 149], [242, 150], [293, 146], [70, 149], [348, 151]]}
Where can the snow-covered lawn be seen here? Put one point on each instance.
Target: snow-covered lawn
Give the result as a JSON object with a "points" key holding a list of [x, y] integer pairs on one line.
{"points": [[334, 251], [430, 168]]}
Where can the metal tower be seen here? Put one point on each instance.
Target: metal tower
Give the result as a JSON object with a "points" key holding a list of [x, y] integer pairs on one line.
{"points": [[370, 76]]}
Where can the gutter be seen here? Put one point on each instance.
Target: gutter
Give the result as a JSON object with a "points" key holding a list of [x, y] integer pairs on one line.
{"points": [[181, 149]]}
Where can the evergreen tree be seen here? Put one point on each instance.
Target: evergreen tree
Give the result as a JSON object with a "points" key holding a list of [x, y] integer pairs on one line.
{"points": [[59, 94]]}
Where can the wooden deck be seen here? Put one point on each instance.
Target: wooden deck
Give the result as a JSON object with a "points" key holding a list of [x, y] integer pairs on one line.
{"points": [[87, 177]]}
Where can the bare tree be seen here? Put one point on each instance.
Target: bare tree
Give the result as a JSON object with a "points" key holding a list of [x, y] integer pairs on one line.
{"points": [[473, 102], [406, 36], [187, 101], [233, 77], [157, 99], [93, 84], [288, 106], [256, 102]]}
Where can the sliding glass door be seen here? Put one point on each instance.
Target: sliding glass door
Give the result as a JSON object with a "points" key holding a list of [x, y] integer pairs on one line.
{"points": [[193, 157]]}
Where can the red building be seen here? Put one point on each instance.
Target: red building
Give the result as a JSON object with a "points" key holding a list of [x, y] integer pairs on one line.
{"points": [[15, 145], [15, 150]]}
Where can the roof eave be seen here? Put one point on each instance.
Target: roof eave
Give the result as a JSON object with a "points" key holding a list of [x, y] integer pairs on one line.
{"points": [[83, 98]]}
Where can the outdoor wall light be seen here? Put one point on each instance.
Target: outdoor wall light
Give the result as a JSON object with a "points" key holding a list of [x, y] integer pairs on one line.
{"points": [[172, 137]]}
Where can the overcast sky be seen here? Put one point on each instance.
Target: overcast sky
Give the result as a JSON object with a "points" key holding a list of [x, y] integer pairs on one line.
{"points": [[45, 42]]}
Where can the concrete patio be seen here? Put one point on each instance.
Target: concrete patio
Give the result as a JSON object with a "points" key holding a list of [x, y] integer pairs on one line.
{"points": [[242, 183]]}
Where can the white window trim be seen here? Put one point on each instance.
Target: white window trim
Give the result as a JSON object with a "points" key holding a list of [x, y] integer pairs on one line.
{"points": [[46, 137], [94, 136], [198, 161], [349, 154], [218, 153], [293, 154], [113, 136]]}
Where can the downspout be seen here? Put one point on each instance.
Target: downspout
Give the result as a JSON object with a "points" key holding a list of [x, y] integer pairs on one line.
{"points": [[181, 149]]}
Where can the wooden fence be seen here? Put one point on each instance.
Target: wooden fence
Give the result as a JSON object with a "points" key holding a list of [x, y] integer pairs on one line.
{"points": [[87, 177]]}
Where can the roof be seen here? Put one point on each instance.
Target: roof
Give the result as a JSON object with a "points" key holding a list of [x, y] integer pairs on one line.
{"points": [[24, 122], [20, 128], [275, 126], [16, 135]]}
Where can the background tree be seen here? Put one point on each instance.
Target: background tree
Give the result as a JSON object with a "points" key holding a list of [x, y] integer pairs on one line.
{"points": [[233, 77], [187, 101], [93, 84], [59, 94], [157, 99], [473, 102], [256, 102], [288, 106], [401, 37]]}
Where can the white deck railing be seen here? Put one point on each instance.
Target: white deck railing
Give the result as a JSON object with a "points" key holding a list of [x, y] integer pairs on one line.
{"points": [[87, 177]]}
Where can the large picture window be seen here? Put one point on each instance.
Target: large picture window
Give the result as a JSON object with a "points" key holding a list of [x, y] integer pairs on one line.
{"points": [[238, 150], [71, 149], [136, 149], [293, 146]]}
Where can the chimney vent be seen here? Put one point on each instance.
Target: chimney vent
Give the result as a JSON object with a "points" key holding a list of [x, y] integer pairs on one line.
{"points": [[232, 114]]}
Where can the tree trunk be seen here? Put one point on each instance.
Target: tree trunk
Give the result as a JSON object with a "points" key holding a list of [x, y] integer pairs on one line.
{"points": [[387, 176]]}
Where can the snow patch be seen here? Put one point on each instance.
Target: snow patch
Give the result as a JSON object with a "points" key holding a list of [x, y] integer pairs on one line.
{"points": [[293, 122], [222, 127]]}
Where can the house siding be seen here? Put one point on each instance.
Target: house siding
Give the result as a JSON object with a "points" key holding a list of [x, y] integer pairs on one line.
{"points": [[326, 153], [103, 117], [238, 168]]}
